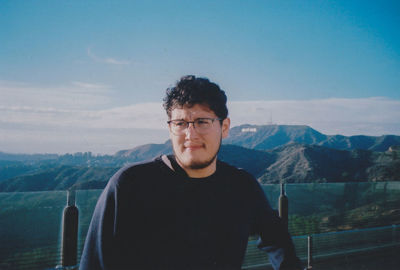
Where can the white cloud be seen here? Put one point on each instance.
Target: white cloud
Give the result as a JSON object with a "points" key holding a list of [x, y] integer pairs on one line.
{"points": [[79, 106], [87, 85], [76, 118], [61, 97], [107, 60], [145, 115], [33, 139]]}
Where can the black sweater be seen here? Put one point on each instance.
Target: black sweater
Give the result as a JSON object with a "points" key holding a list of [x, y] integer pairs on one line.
{"points": [[152, 217]]}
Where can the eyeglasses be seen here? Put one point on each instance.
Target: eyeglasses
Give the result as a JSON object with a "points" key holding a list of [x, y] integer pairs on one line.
{"points": [[202, 125]]}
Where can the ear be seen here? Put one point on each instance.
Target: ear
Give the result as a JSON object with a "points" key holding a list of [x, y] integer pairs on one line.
{"points": [[226, 123]]}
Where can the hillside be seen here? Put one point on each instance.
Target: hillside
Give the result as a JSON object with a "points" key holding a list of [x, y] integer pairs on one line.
{"points": [[253, 160], [297, 163], [145, 152], [273, 154], [293, 163], [60, 178], [89, 176], [270, 136]]}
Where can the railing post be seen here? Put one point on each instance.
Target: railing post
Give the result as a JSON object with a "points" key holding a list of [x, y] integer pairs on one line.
{"points": [[393, 233], [69, 251], [283, 206], [310, 252]]}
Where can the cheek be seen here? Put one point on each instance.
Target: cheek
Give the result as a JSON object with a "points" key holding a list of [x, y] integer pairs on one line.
{"points": [[213, 141], [177, 142]]}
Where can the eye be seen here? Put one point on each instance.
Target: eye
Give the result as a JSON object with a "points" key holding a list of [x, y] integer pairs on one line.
{"points": [[179, 123], [203, 122]]}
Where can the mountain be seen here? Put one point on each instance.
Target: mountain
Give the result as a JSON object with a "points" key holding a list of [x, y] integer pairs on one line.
{"points": [[273, 154], [60, 178], [253, 161], [145, 152], [292, 163], [298, 163], [270, 136], [84, 176]]}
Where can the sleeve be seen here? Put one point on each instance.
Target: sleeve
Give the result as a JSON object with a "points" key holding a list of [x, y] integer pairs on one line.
{"points": [[98, 252], [274, 236]]}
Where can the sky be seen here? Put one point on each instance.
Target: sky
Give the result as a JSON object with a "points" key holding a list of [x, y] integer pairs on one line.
{"points": [[79, 76]]}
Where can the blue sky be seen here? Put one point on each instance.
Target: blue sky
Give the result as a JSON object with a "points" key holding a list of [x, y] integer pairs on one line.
{"points": [[90, 75]]}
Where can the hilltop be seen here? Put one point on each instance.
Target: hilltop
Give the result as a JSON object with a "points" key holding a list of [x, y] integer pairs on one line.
{"points": [[271, 136]]}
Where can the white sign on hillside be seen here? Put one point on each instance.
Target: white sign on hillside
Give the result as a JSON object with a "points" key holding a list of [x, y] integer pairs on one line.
{"points": [[249, 130]]}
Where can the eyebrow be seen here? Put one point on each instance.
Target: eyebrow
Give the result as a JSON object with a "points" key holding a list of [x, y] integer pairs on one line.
{"points": [[193, 120]]}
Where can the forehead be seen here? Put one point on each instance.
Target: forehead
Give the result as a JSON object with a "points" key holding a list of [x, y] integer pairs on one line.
{"points": [[192, 112]]}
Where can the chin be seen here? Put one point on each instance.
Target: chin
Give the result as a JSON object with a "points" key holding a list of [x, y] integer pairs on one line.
{"points": [[196, 163], [199, 165]]}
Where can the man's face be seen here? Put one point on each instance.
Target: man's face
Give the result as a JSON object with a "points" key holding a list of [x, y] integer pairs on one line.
{"points": [[194, 151]]}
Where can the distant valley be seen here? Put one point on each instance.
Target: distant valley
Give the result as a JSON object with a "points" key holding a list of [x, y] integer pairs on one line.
{"points": [[272, 153]]}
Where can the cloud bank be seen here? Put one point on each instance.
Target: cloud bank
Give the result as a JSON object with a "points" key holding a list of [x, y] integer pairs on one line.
{"points": [[81, 117]]}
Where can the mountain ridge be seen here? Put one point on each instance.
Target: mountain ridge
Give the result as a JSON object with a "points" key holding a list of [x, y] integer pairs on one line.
{"points": [[267, 137], [299, 155], [292, 163]]}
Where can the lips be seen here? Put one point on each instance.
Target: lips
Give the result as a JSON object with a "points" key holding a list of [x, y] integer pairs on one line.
{"points": [[193, 146]]}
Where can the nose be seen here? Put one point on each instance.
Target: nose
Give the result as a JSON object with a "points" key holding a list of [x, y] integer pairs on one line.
{"points": [[191, 131]]}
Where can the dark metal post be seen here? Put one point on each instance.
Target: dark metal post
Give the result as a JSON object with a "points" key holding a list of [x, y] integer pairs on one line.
{"points": [[283, 205], [70, 232], [310, 251]]}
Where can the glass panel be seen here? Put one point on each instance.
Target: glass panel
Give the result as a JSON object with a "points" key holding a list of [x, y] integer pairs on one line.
{"points": [[343, 219], [30, 229], [86, 202]]}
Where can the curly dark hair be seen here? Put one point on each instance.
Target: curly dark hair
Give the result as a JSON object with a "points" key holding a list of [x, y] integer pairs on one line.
{"points": [[190, 90]]}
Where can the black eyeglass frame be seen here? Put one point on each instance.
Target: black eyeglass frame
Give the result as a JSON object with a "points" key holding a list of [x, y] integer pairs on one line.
{"points": [[193, 122]]}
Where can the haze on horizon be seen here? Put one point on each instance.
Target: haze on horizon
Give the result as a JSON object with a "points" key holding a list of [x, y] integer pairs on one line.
{"points": [[90, 76]]}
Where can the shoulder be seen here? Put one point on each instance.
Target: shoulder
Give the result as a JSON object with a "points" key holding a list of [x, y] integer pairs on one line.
{"points": [[130, 181], [240, 181], [225, 167], [135, 171], [236, 174]]}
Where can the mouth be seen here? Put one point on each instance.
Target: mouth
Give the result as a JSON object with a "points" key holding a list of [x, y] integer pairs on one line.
{"points": [[193, 147]]}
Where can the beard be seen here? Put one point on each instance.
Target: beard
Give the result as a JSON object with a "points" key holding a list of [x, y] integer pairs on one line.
{"points": [[199, 164], [196, 165]]}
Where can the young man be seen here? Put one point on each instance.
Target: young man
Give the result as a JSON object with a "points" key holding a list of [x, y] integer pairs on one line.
{"points": [[187, 210]]}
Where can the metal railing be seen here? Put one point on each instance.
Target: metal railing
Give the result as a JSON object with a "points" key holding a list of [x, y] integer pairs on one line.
{"points": [[35, 234], [325, 246]]}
